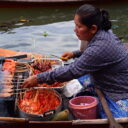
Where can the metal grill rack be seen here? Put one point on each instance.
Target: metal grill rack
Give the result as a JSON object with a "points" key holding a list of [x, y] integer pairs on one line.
{"points": [[13, 82], [22, 72]]}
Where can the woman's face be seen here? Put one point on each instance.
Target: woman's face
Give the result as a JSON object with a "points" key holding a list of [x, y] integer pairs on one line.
{"points": [[82, 31]]}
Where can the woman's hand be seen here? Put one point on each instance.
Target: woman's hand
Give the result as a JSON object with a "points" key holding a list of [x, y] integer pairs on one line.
{"points": [[67, 55], [30, 82]]}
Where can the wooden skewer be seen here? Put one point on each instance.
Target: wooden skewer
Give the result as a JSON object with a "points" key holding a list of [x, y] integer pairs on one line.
{"points": [[21, 67], [36, 96], [15, 79], [8, 94], [10, 76], [7, 83], [15, 93], [22, 89], [12, 90], [20, 71], [62, 58], [11, 81], [55, 56]]}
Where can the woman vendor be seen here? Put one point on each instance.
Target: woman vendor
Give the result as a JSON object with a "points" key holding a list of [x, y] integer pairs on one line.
{"points": [[105, 59]]}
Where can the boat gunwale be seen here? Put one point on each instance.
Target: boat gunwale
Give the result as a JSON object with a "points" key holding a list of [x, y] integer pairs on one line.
{"points": [[46, 1], [73, 122]]}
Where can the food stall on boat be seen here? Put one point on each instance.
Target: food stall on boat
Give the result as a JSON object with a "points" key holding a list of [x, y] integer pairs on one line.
{"points": [[31, 116]]}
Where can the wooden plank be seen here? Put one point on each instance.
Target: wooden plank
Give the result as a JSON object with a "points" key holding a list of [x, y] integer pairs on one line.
{"points": [[9, 122], [11, 119], [46, 0], [15, 123], [50, 124], [7, 52], [98, 121]]}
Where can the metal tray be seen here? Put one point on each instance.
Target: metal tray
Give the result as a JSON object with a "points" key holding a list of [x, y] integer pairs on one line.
{"points": [[58, 64], [47, 115]]}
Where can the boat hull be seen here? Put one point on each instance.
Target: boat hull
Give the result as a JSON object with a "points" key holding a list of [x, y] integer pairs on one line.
{"points": [[24, 123]]}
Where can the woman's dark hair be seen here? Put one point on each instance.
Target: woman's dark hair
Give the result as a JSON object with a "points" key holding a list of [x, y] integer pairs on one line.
{"points": [[90, 15]]}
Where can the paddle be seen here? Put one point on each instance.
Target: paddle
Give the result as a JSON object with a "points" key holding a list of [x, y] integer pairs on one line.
{"points": [[112, 121]]}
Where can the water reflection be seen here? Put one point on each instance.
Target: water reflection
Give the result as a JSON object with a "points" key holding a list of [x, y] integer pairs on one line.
{"points": [[37, 16], [50, 30], [31, 39]]}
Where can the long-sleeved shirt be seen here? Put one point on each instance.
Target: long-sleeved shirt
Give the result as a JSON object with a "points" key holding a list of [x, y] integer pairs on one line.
{"points": [[105, 59]]}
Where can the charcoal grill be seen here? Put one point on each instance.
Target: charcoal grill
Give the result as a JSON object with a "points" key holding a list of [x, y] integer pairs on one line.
{"points": [[7, 104], [23, 71]]}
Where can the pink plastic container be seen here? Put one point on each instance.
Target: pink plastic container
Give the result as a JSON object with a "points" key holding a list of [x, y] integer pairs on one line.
{"points": [[84, 107]]}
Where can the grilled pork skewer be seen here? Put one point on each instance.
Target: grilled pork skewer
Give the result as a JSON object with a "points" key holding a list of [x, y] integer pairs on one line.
{"points": [[7, 90], [4, 95]]}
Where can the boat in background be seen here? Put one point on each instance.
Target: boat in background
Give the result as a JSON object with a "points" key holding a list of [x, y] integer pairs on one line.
{"points": [[7, 52], [44, 1], [40, 3]]}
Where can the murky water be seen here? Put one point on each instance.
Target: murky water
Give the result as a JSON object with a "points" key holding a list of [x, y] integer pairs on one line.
{"points": [[50, 30]]}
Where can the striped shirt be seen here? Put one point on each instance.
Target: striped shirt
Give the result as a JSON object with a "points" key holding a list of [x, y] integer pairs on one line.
{"points": [[105, 59]]}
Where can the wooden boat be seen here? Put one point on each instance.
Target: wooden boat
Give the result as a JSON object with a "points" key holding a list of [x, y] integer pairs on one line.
{"points": [[40, 3], [44, 0], [11, 122]]}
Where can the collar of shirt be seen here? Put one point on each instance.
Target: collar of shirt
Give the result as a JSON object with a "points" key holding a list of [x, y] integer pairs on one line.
{"points": [[101, 34]]}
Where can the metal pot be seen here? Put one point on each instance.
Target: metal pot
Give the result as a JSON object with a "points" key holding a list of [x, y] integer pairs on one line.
{"points": [[47, 115]]}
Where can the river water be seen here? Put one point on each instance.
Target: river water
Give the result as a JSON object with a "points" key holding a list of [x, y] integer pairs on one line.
{"points": [[50, 29]]}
